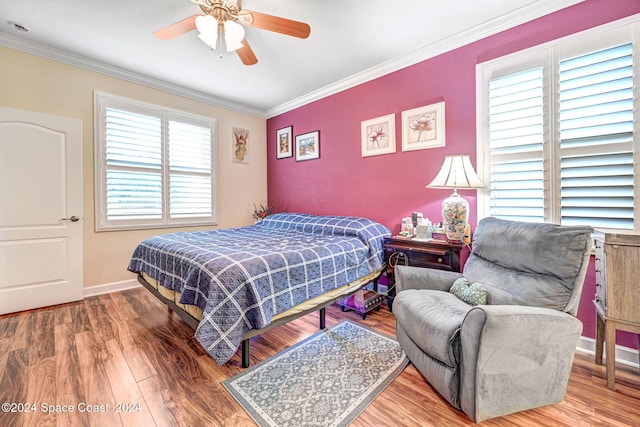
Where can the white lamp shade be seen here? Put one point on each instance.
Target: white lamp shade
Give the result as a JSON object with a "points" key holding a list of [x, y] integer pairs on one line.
{"points": [[233, 35], [456, 172], [208, 28]]}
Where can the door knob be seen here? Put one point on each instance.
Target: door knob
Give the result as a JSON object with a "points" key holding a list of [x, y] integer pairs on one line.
{"points": [[72, 219]]}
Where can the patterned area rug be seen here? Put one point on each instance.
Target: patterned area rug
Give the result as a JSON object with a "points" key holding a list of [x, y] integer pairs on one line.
{"points": [[327, 379]]}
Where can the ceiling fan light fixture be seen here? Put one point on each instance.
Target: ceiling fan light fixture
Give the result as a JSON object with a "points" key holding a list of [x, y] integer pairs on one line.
{"points": [[220, 24], [233, 35]]}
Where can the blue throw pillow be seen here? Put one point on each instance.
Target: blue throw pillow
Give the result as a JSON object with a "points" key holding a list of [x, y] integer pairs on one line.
{"points": [[472, 294]]}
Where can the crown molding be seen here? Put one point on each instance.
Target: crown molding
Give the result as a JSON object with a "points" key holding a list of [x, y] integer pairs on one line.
{"points": [[38, 49], [533, 11]]}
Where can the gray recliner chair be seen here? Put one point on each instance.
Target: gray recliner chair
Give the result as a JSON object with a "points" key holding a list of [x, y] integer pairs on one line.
{"points": [[515, 351]]}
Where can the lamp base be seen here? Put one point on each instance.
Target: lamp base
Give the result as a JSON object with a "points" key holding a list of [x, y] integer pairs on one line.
{"points": [[454, 216]]}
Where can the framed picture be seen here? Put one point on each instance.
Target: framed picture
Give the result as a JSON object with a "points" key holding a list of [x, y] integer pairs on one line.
{"points": [[284, 142], [423, 127], [240, 146], [378, 135], [308, 146]]}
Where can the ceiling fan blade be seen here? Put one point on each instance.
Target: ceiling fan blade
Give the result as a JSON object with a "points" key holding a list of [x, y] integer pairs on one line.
{"points": [[246, 55], [274, 23], [177, 29]]}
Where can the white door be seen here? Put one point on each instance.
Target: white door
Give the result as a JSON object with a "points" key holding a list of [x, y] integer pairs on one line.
{"points": [[40, 210]]}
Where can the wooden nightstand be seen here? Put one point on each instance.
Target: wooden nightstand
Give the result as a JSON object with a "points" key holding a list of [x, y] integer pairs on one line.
{"points": [[438, 254]]}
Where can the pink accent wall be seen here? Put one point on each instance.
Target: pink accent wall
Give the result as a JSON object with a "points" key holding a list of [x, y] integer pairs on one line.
{"points": [[391, 186]]}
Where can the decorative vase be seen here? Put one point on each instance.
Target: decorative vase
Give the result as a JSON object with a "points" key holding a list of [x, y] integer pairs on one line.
{"points": [[454, 216]]}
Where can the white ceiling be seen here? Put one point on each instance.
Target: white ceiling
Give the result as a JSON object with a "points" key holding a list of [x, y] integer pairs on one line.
{"points": [[351, 41]]}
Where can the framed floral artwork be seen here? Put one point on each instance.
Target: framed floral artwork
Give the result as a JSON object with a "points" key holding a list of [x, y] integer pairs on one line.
{"points": [[284, 142], [240, 146], [378, 135], [308, 146], [423, 127]]}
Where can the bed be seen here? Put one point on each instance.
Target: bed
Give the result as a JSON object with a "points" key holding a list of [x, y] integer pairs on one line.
{"points": [[231, 284]]}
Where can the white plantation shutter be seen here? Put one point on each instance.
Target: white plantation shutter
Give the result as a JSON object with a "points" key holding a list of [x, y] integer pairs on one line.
{"points": [[154, 167], [556, 139], [133, 165], [190, 170], [516, 136], [596, 138]]}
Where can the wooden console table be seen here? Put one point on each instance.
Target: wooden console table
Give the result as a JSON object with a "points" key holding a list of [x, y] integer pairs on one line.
{"points": [[617, 262]]}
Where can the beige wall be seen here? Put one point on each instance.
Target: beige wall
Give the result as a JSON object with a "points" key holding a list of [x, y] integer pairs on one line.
{"points": [[33, 83]]}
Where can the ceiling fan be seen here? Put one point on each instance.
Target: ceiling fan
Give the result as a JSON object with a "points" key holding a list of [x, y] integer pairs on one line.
{"points": [[220, 24]]}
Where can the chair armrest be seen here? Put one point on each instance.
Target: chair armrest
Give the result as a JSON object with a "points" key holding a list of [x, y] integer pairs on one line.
{"points": [[408, 277], [514, 358]]}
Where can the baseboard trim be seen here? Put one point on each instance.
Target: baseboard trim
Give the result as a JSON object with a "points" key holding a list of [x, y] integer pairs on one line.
{"points": [[624, 355], [110, 287]]}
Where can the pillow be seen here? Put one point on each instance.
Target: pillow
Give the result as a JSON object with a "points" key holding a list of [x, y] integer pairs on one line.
{"points": [[472, 294]]}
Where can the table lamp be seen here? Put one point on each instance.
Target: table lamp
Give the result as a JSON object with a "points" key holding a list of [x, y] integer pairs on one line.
{"points": [[457, 173]]}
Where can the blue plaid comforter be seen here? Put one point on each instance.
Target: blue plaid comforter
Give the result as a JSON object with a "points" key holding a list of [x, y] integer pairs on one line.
{"points": [[242, 277]]}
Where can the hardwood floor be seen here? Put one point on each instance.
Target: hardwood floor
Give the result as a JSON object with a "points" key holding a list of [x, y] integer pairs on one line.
{"points": [[126, 347]]}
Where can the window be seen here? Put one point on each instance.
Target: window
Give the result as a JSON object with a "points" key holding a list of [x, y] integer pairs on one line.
{"points": [[154, 167], [556, 140]]}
